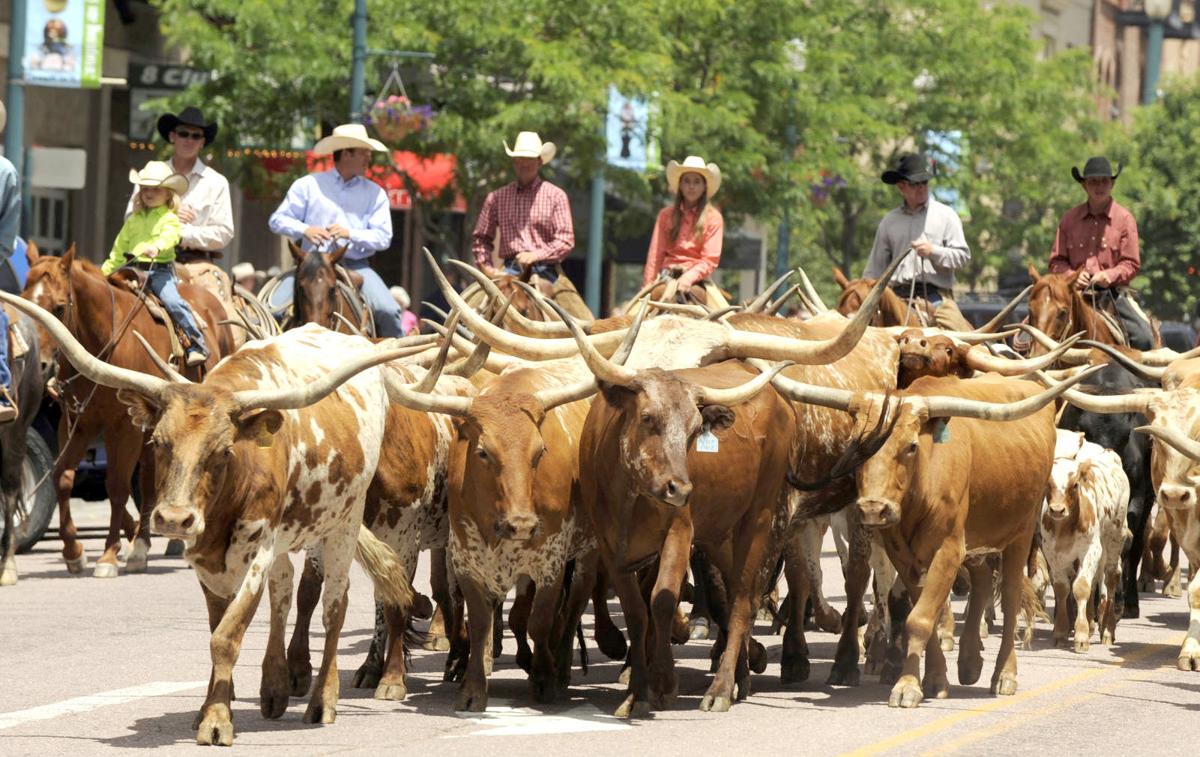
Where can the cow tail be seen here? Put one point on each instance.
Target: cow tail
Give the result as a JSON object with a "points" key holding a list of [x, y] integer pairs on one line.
{"points": [[393, 587], [1031, 609]]}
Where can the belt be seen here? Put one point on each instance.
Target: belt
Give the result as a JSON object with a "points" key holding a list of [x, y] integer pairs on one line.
{"points": [[207, 254], [920, 288]]}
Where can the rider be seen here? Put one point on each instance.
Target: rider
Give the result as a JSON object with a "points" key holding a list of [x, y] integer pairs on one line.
{"points": [[690, 231], [1099, 241], [342, 203], [10, 222], [532, 215], [935, 234], [148, 240]]}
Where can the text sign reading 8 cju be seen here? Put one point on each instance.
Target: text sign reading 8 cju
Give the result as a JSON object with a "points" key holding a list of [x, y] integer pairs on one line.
{"points": [[707, 441]]}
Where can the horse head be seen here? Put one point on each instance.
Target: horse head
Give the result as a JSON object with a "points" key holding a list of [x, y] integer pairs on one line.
{"points": [[48, 285], [1055, 306], [891, 312], [315, 297]]}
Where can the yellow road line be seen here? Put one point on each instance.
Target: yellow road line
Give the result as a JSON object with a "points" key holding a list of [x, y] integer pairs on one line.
{"points": [[1002, 703]]}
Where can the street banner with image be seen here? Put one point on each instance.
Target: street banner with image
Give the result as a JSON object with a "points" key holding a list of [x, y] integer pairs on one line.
{"points": [[630, 133], [64, 42]]}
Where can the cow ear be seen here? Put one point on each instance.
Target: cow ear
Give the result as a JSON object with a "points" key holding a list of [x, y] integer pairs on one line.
{"points": [[840, 278], [142, 410], [1085, 473], [615, 394], [260, 425], [1034, 276], [465, 428], [958, 360], [717, 417]]}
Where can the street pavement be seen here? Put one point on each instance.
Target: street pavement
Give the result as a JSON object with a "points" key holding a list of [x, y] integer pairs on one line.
{"points": [[112, 666]]}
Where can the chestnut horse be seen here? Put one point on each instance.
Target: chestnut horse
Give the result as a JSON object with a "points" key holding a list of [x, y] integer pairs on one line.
{"points": [[320, 295], [892, 311], [96, 310], [1059, 310]]}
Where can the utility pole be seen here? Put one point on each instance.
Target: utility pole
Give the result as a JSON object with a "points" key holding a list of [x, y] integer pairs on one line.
{"points": [[358, 87], [14, 132]]}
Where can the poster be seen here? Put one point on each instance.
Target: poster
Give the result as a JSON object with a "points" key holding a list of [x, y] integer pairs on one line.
{"points": [[630, 133], [64, 42]]}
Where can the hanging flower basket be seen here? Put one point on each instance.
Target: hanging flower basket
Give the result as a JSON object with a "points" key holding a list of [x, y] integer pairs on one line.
{"points": [[395, 118]]}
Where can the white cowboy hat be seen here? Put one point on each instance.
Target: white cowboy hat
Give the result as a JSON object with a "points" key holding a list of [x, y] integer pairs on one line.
{"points": [[694, 164], [159, 174], [348, 137], [530, 145], [242, 271], [400, 294]]}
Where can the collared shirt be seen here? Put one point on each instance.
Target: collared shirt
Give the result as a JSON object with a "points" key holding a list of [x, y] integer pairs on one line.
{"points": [[698, 256], [10, 206], [159, 227], [323, 199], [536, 219], [1106, 241], [207, 196], [936, 223]]}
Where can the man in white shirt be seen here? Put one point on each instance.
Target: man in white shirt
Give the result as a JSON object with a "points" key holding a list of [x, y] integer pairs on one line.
{"points": [[206, 213]]}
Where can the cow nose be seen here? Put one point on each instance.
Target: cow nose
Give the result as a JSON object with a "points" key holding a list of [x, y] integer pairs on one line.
{"points": [[878, 513], [177, 522], [675, 493], [1057, 512], [518, 526], [1176, 496]]}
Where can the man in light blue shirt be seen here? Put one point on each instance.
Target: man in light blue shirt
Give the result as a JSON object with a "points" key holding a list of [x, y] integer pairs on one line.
{"points": [[10, 224], [341, 206]]}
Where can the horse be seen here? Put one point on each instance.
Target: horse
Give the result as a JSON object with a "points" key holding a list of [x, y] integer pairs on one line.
{"points": [[1058, 309], [28, 382], [108, 319], [326, 294], [892, 310]]}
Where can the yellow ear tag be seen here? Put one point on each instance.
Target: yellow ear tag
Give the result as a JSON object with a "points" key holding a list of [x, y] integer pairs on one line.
{"points": [[265, 439]]}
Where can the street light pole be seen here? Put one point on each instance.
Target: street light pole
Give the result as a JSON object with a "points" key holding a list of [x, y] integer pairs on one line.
{"points": [[358, 85], [1157, 11], [14, 133]]}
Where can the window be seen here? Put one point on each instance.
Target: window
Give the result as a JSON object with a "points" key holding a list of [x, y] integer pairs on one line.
{"points": [[48, 220]]}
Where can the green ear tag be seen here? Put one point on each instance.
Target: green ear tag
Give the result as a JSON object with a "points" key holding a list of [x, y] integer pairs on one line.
{"points": [[941, 432]]}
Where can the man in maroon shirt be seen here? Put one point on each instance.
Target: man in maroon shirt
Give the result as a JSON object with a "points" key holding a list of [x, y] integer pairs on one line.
{"points": [[1100, 240], [532, 216]]}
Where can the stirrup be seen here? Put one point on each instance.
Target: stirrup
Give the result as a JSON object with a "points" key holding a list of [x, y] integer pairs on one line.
{"points": [[8, 406]]}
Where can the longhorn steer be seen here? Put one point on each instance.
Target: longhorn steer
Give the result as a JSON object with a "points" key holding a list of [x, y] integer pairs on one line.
{"points": [[271, 454]]}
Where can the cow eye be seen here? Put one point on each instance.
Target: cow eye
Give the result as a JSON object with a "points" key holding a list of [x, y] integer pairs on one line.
{"points": [[647, 419], [481, 453], [538, 457], [912, 448]]}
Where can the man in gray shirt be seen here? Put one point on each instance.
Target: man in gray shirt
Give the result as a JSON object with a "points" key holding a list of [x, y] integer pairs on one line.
{"points": [[935, 234]]}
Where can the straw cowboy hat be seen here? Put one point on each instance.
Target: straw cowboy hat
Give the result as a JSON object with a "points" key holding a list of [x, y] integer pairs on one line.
{"points": [[694, 164], [348, 137], [530, 145], [242, 271], [159, 174], [1097, 166]]}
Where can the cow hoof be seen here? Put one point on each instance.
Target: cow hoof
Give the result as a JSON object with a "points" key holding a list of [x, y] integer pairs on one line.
{"points": [[793, 669], [174, 548], [623, 676], [319, 713], [391, 691], [698, 629], [632, 707], [612, 643], [137, 557], [215, 730], [1006, 686], [8, 576], [1062, 642], [76, 566], [471, 699], [422, 607], [271, 705], [436, 643], [843, 676], [715, 704], [906, 696], [938, 689], [524, 659], [367, 677], [1172, 591], [1082, 647], [104, 570], [1106, 639], [1188, 661], [947, 643], [300, 680]]}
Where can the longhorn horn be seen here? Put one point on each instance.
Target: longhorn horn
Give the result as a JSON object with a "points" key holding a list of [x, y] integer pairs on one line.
{"points": [[1166, 356], [717, 315], [1101, 403], [967, 337], [540, 328], [1182, 443], [426, 384], [1005, 312], [346, 322], [736, 395], [980, 359], [810, 394], [494, 363], [692, 311], [601, 367], [540, 301], [296, 397], [159, 363], [758, 303], [91, 367], [773, 308], [1144, 372], [811, 292], [1076, 356], [959, 407], [462, 330]]}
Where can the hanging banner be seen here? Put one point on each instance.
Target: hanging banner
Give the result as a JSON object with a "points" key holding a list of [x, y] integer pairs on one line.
{"points": [[64, 42], [630, 133]]}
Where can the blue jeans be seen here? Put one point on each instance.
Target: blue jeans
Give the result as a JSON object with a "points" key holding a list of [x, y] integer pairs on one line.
{"points": [[161, 281], [384, 308], [547, 271], [5, 370], [927, 292]]}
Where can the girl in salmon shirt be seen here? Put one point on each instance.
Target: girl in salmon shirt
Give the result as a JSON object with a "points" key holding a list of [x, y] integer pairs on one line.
{"points": [[688, 233]]}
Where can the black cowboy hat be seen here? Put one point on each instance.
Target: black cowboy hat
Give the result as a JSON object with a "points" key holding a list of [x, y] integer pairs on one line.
{"points": [[1097, 166], [189, 116], [910, 168]]}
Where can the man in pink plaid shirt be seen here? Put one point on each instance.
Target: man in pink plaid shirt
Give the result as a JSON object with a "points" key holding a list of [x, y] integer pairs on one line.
{"points": [[532, 215]]}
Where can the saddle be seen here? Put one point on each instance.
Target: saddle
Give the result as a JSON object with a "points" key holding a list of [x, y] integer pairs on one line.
{"points": [[133, 280]]}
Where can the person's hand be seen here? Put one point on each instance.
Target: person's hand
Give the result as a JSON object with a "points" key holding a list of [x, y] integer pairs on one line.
{"points": [[1101, 279], [186, 214], [1082, 280], [317, 235], [337, 230], [151, 251], [923, 248], [527, 258], [489, 271]]}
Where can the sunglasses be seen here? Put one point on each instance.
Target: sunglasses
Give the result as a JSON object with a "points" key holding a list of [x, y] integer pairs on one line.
{"points": [[918, 183], [185, 134]]}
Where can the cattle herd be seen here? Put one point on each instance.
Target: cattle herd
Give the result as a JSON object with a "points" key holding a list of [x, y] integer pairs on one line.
{"points": [[676, 450]]}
